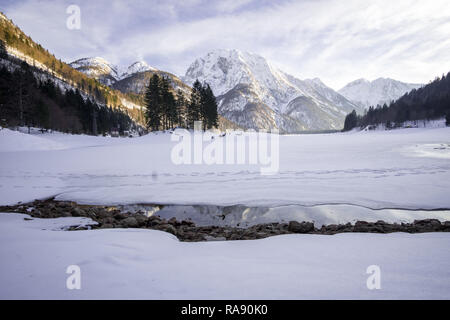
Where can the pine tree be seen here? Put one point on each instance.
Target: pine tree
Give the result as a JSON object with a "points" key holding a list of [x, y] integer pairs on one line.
{"points": [[169, 111], [153, 99], [42, 114], [3, 52], [194, 106], [210, 116], [26, 83], [94, 119], [28, 100], [181, 109], [351, 121], [172, 111]]}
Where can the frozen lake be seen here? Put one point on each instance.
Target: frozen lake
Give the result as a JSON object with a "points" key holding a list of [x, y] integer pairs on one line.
{"points": [[403, 169]]}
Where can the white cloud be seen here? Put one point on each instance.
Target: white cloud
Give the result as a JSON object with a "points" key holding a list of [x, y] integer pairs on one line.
{"points": [[338, 41]]}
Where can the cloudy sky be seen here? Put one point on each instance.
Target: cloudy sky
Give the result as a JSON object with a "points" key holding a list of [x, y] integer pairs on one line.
{"points": [[335, 40]]}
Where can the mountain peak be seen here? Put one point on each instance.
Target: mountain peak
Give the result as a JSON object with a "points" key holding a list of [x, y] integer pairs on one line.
{"points": [[107, 73], [98, 68], [225, 68], [377, 92], [358, 82], [136, 67], [92, 60], [97, 62], [253, 93]]}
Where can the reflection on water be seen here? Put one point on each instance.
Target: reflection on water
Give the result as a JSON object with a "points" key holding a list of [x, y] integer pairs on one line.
{"points": [[243, 216]]}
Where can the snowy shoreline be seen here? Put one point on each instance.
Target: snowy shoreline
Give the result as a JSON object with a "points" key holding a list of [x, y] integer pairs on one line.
{"points": [[186, 227]]}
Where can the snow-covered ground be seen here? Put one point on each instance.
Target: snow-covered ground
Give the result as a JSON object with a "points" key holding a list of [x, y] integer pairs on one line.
{"points": [[148, 264], [407, 168], [343, 175], [334, 178], [434, 123]]}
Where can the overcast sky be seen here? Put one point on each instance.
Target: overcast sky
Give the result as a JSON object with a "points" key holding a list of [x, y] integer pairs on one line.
{"points": [[336, 40]]}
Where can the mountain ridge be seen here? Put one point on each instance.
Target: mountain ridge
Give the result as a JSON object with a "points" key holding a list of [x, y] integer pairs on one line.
{"points": [[367, 93], [107, 73], [247, 82]]}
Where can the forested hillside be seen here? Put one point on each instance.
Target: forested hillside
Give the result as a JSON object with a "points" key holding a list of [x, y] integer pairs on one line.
{"points": [[27, 100], [20, 45], [429, 102]]}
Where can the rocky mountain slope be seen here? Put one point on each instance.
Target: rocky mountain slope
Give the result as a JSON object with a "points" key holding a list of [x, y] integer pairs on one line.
{"points": [[131, 79], [372, 93], [137, 81], [253, 93]]}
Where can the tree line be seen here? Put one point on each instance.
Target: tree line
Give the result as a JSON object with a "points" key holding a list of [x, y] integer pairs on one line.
{"points": [[165, 109], [28, 100], [429, 102]]}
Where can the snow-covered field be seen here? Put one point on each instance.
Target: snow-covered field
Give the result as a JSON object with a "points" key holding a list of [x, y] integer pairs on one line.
{"points": [[408, 168], [148, 264]]}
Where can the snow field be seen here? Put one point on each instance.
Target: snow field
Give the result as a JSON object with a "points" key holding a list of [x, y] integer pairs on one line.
{"points": [[148, 264]]}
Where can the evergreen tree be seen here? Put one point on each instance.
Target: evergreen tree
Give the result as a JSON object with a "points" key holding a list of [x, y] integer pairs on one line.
{"points": [[27, 101], [181, 108], [209, 108], [447, 120], [94, 119], [169, 111], [7, 107], [26, 84], [351, 121], [3, 52], [172, 111], [42, 114], [195, 104], [153, 99]]}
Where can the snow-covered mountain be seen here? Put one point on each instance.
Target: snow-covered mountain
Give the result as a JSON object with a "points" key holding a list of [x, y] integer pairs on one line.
{"points": [[254, 94], [131, 79], [98, 68], [372, 93], [138, 66], [107, 73]]}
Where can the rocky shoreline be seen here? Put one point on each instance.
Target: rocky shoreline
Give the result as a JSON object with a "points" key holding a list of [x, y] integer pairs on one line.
{"points": [[108, 217]]}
